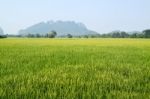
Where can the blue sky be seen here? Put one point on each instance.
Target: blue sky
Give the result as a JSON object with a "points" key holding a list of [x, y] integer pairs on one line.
{"points": [[99, 15]]}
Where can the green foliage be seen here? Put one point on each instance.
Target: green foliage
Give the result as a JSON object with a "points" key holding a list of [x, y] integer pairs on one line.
{"points": [[38, 35], [69, 36], [146, 33], [52, 34], [30, 35], [3, 36], [85, 36], [74, 68]]}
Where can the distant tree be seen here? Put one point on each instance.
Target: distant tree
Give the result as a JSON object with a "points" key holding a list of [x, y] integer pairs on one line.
{"points": [[3, 36], [104, 35], [38, 35], [116, 35], [52, 34], [133, 35], [30, 35], [146, 33], [93, 36], [85, 36], [124, 34], [69, 36], [140, 35], [78, 36]]}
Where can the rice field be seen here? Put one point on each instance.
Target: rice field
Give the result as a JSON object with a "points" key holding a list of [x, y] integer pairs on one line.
{"points": [[74, 68]]}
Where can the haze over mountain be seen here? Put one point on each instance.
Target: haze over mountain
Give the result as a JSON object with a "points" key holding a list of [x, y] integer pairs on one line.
{"points": [[61, 27], [1, 31]]}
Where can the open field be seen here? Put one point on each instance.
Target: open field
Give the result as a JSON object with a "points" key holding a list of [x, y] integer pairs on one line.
{"points": [[75, 68]]}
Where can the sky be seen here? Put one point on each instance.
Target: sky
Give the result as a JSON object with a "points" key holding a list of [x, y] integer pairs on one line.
{"points": [[99, 15]]}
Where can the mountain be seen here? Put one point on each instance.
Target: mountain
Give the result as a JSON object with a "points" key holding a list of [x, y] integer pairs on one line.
{"points": [[1, 31], [61, 27]]}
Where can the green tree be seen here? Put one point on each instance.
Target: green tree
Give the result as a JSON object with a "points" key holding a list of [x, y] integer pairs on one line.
{"points": [[86, 36], [116, 35], [52, 34], [134, 35], [124, 34], [30, 35], [69, 36], [146, 33], [38, 35]]}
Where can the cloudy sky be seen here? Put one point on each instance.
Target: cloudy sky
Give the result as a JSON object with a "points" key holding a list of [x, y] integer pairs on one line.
{"points": [[99, 15]]}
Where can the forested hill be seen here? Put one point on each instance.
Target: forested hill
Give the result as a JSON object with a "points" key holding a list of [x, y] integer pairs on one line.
{"points": [[61, 27]]}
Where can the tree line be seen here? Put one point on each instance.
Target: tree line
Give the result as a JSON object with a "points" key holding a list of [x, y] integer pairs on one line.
{"points": [[114, 34], [122, 34]]}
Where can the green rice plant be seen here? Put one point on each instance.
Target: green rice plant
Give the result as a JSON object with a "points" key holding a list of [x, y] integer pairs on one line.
{"points": [[74, 68]]}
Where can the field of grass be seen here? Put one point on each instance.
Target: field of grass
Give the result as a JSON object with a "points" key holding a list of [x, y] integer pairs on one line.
{"points": [[74, 68]]}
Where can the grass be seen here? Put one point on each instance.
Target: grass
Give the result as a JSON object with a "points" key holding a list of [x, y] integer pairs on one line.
{"points": [[74, 68]]}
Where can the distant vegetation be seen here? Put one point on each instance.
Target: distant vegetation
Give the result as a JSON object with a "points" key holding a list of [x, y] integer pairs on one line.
{"points": [[3, 36], [122, 34], [70, 29], [62, 28], [114, 34], [51, 34]]}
